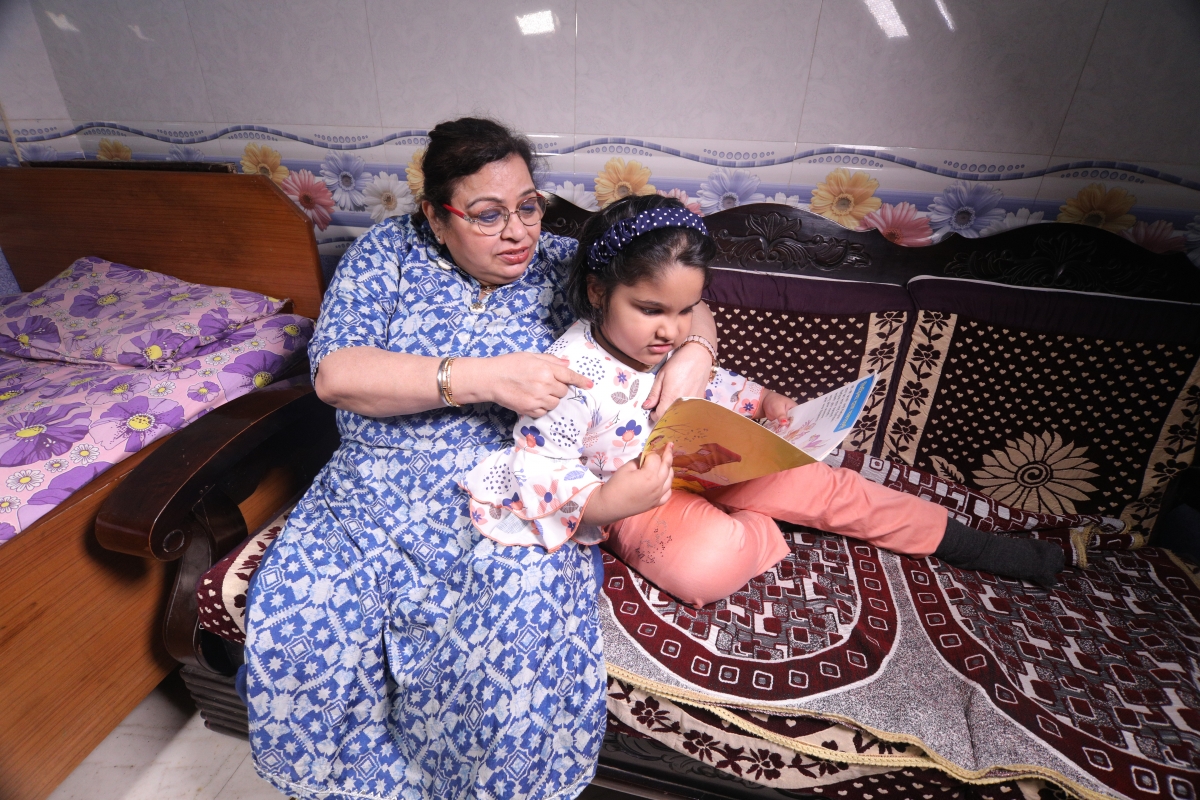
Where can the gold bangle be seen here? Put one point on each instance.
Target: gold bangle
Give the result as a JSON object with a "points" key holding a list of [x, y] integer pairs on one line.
{"points": [[712, 352], [443, 381]]}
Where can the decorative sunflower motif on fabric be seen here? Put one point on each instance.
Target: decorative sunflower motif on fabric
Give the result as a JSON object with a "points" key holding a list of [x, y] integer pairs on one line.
{"points": [[1040, 473], [414, 173], [111, 150], [619, 180], [846, 198], [1100, 208], [258, 158]]}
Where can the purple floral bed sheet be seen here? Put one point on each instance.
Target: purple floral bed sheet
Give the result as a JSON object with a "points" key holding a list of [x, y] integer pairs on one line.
{"points": [[62, 424]]}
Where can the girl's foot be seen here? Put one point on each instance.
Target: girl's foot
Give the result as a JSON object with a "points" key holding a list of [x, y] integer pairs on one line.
{"points": [[1023, 559]]}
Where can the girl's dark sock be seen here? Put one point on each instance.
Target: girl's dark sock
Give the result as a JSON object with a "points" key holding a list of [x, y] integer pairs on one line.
{"points": [[1023, 559]]}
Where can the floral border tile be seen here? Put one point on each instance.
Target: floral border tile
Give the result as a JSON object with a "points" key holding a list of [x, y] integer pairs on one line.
{"points": [[1161, 217], [707, 175], [345, 179], [151, 141], [44, 139]]}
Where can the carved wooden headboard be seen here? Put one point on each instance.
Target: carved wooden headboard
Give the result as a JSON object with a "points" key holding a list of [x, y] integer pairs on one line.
{"points": [[220, 229], [766, 237]]}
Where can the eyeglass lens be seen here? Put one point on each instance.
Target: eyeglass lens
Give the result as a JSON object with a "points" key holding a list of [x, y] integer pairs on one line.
{"points": [[494, 218]]}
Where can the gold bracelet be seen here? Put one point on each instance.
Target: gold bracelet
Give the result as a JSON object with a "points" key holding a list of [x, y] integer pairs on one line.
{"points": [[443, 381], [712, 352]]}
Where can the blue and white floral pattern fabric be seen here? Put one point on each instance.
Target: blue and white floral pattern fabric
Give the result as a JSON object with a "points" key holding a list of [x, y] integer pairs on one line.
{"points": [[536, 492], [392, 651]]}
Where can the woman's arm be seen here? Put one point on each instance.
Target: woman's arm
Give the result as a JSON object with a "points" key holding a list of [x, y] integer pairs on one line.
{"points": [[377, 383], [686, 373]]}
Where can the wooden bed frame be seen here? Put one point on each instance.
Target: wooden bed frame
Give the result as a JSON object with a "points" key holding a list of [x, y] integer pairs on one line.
{"points": [[80, 626]]}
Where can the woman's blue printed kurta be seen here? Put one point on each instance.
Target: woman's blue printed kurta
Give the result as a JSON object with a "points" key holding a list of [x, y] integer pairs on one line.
{"points": [[392, 651]]}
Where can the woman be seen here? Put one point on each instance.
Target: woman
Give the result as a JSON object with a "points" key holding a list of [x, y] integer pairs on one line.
{"points": [[392, 651]]}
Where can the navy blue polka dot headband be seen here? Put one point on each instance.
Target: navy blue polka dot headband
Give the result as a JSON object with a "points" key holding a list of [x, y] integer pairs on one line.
{"points": [[619, 235]]}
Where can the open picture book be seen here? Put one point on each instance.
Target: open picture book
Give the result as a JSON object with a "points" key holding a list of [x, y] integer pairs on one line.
{"points": [[717, 447]]}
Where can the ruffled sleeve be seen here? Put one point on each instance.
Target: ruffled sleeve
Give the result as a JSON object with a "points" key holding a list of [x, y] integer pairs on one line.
{"points": [[535, 492], [735, 392]]}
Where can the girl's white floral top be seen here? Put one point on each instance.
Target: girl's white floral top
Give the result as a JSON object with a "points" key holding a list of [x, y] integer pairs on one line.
{"points": [[535, 492]]}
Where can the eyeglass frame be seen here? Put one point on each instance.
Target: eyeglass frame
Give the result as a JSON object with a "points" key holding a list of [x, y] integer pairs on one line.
{"points": [[508, 213]]}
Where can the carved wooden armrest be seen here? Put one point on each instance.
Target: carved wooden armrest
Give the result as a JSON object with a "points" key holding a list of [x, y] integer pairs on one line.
{"points": [[148, 513], [204, 489]]}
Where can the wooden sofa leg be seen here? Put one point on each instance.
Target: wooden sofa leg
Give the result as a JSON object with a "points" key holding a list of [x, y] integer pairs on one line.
{"points": [[218, 701]]}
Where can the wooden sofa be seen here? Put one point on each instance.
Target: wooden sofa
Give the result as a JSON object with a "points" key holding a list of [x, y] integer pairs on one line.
{"points": [[803, 306]]}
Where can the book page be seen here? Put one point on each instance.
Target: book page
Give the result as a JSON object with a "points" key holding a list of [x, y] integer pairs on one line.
{"points": [[718, 447], [819, 426]]}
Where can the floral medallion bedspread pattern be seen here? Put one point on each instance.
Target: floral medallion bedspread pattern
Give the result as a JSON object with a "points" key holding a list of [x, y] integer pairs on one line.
{"points": [[62, 424], [777, 756], [1093, 684], [1048, 422]]}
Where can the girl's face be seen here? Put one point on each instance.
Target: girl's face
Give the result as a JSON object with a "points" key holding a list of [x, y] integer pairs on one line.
{"points": [[647, 320], [499, 258]]}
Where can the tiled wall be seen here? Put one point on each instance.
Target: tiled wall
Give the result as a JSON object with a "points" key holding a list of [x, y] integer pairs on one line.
{"points": [[1081, 109]]}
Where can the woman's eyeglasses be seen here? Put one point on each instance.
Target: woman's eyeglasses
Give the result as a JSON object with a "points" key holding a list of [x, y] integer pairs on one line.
{"points": [[493, 219]]}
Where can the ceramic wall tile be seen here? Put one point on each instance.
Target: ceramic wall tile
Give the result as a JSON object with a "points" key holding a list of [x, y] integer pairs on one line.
{"points": [[713, 173], [1135, 192], [1139, 94], [459, 57], [998, 183], [918, 175], [28, 89], [709, 98], [305, 62], [151, 141], [992, 77], [307, 146], [729, 69], [339, 164], [124, 59], [47, 139]]}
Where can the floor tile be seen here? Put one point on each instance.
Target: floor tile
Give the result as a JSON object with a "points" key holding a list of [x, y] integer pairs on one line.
{"points": [[163, 751]]}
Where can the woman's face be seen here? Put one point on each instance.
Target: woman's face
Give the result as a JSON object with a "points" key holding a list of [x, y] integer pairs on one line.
{"points": [[498, 258]]}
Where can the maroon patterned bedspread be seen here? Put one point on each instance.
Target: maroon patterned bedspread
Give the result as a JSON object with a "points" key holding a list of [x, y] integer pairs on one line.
{"points": [[1092, 685]]}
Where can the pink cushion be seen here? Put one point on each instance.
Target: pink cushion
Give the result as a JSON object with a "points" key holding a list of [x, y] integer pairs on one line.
{"points": [[221, 592]]}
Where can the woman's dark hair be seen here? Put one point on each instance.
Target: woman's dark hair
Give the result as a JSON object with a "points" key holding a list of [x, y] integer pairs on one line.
{"points": [[643, 258], [460, 148]]}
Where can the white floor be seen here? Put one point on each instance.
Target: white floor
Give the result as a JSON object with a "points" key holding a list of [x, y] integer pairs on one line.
{"points": [[162, 751]]}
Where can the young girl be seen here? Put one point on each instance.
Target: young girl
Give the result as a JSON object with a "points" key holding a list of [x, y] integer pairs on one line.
{"points": [[574, 474]]}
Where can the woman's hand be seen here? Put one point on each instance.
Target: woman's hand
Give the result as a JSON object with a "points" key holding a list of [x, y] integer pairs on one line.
{"points": [[684, 375], [776, 406], [528, 383], [632, 489]]}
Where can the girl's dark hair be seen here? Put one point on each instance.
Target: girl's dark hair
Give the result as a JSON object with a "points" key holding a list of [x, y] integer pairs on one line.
{"points": [[460, 148], [643, 258]]}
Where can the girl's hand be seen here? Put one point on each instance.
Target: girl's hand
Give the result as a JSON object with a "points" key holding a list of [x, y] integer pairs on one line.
{"points": [[684, 375], [775, 407], [632, 489], [528, 383]]}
